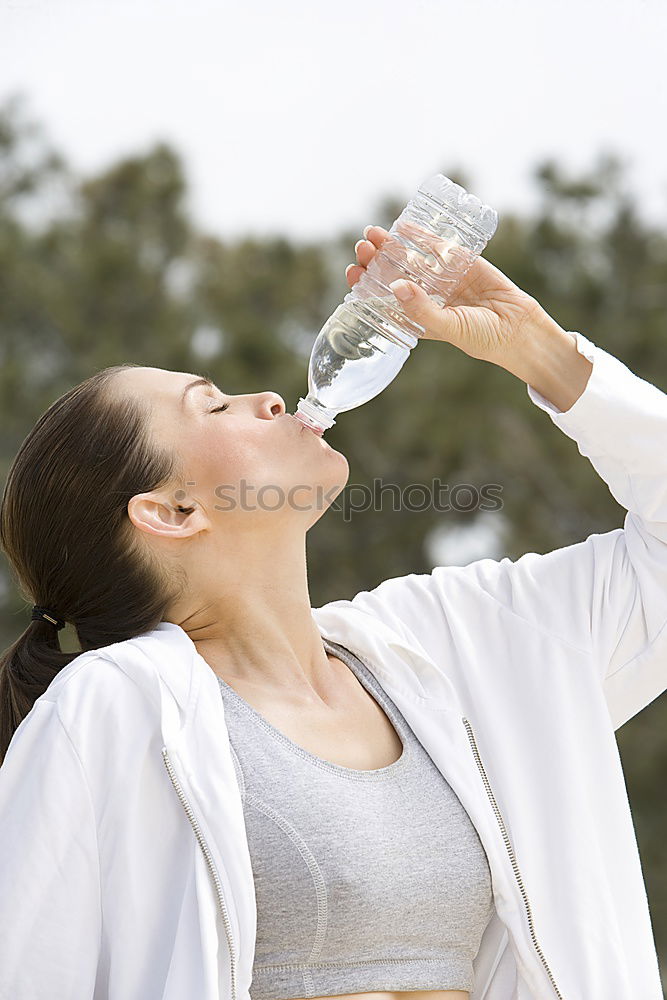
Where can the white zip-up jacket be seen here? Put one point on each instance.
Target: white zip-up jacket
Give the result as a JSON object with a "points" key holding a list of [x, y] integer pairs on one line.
{"points": [[124, 865]]}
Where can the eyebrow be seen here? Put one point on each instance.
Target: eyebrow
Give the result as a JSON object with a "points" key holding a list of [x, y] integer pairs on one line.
{"points": [[191, 385]]}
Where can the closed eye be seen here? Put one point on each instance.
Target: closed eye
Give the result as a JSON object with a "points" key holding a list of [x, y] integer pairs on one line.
{"points": [[218, 409]]}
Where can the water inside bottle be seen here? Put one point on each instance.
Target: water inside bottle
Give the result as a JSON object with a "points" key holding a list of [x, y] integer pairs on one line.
{"points": [[352, 360]]}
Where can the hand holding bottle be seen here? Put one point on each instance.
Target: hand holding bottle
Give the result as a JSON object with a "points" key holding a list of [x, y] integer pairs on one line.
{"points": [[433, 245], [488, 316]]}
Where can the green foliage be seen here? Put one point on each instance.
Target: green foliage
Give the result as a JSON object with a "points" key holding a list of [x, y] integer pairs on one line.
{"points": [[109, 268]]}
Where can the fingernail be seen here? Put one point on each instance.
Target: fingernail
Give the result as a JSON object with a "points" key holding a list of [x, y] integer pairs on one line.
{"points": [[366, 230], [401, 290], [357, 245]]}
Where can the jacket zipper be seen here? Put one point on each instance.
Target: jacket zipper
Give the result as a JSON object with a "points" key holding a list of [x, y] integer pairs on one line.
{"points": [[209, 861], [510, 851]]}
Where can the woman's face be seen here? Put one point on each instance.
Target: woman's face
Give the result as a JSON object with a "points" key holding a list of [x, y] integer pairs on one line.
{"points": [[250, 461]]}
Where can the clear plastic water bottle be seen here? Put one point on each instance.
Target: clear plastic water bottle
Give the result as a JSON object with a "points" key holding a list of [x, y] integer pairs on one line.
{"points": [[364, 343]]}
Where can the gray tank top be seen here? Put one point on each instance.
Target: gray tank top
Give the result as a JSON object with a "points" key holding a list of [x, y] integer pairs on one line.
{"points": [[365, 880]]}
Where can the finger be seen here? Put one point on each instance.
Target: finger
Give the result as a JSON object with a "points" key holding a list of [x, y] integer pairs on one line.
{"points": [[376, 235], [438, 323], [353, 272], [365, 251]]}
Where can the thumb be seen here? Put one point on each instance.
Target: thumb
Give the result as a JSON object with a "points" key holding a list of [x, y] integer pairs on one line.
{"points": [[420, 307]]}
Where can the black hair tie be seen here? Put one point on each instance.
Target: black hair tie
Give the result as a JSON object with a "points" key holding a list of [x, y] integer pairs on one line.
{"points": [[43, 614]]}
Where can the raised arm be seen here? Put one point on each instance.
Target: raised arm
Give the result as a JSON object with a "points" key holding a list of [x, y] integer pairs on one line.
{"points": [[606, 595]]}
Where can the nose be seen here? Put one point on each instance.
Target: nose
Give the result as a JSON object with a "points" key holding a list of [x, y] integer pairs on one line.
{"points": [[270, 405]]}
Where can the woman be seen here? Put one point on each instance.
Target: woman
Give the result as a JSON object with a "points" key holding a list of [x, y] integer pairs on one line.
{"points": [[412, 795]]}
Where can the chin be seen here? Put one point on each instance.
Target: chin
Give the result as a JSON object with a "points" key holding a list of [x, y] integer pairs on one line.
{"points": [[335, 486], [333, 455], [342, 467]]}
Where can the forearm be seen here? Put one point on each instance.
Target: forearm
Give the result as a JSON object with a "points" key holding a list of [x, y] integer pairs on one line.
{"points": [[549, 361]]}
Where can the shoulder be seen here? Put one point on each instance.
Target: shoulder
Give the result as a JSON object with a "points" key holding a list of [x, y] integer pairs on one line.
{"points": [[101, 698], [91, 679]]}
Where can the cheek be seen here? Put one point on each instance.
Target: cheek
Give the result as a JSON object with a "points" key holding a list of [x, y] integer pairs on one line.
{"points": [[209, 461], [259, 456], [235, 458]]}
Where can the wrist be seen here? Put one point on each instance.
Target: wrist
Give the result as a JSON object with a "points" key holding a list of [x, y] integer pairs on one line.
{"points": [[548, 361]]}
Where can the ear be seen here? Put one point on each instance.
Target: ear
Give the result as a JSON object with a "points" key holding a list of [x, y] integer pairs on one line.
{"points": [[160, 514]]}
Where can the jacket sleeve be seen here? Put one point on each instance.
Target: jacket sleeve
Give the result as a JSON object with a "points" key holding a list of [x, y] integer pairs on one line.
{"points": [[606, 595], [50, 909]]}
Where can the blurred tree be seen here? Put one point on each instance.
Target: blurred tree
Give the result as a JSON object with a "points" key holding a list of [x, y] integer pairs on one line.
{"points": [[109, 268]]}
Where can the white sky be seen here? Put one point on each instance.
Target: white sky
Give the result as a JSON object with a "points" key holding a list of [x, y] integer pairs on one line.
{"points": [[297, 116]]}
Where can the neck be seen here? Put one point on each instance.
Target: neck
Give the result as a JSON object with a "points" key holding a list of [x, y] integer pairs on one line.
{"points": [[254, 623]]}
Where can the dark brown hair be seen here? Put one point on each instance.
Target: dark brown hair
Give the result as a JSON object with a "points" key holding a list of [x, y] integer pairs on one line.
{"points": [[65, 530]]}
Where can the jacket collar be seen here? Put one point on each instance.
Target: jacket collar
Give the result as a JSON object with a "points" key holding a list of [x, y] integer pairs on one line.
{"points": [[399, 662], [168, 654]]}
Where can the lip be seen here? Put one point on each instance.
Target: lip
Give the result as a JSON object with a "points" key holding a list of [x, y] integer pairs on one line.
{"points": [[303, 427], [319, 437]]}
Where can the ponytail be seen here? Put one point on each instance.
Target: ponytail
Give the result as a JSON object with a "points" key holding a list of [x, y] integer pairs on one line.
{"points": [[27, 669], [65, 530]]}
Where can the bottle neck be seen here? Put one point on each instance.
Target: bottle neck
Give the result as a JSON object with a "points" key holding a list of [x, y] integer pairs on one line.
{"points": [[311, 413]]}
